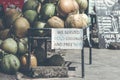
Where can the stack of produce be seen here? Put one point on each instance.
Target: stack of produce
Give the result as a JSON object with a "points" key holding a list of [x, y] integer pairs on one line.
{"points": [[9, 62], [13, 41], [35, 14]]}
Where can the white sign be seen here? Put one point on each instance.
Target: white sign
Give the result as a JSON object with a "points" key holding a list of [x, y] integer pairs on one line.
{"points": [[69, 38]]}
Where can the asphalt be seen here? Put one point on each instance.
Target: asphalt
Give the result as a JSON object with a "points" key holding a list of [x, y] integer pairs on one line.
{"points": [[105, 66]]}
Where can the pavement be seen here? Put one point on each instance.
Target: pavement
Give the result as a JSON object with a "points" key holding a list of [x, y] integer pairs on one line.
{"points": [[105, 66]]}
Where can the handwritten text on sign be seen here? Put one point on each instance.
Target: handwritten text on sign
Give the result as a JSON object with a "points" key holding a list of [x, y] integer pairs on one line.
{"points": [[67, 38]]}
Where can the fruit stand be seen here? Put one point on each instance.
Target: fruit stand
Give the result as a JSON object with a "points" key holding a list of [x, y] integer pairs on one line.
{"points": [[26, 34]]}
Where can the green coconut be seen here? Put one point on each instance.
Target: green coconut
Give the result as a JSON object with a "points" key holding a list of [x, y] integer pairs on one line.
{"points": [[30, 5], [39, 25], [30, 15], [83, 4], [9, 45], [10, 64], [22, 49], [24, 41], [48, 10]]}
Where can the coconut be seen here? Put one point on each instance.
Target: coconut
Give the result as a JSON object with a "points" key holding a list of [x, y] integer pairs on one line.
{"points": [[48, 10], [10, 64], [24, 42], [9, 45], [22, 49], [76, 21], [30, 15], [83, 4], [30, 5], [39, 25], [20, 27], [85, 17], [11, 15], [4, 34], [55, 22], [65, 7]]}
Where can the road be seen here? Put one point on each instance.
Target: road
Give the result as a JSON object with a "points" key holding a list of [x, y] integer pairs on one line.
{"points": [[105, 66]]}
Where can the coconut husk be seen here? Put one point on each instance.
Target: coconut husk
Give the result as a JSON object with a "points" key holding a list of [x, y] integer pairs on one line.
{"points": [[76, 21], [55, 22]]}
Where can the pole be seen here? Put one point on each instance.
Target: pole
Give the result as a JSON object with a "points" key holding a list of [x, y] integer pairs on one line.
{"points": [[83, 69]]}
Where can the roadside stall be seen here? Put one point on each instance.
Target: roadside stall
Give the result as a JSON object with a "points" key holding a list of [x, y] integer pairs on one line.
{"points": [[30, 29]]}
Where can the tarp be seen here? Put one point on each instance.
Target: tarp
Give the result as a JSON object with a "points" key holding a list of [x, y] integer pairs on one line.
{"points": [[6, 3]]}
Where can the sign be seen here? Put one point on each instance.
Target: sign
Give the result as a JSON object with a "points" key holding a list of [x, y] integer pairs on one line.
{"points": [[91, 6], [69, 38], [108, 21]]}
